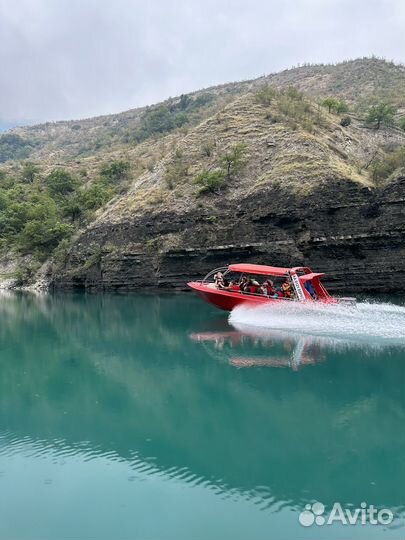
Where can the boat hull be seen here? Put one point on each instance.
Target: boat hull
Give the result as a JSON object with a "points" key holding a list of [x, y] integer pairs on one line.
{"points": [[227, 300]]}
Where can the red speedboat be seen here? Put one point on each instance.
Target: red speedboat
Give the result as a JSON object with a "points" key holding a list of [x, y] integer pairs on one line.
{"points": [[304, 286]]}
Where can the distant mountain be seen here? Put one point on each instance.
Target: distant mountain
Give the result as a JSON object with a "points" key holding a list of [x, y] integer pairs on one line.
{"points": [[7, 125]]}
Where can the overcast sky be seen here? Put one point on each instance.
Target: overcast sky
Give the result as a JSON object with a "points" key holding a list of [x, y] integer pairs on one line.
{"points": [[69, 59]]}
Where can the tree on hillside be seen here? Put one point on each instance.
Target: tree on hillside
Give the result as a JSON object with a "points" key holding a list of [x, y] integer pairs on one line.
{"points": [[29, 172], [6, 181], [72, 209], [234, 159], [184, 102], [60, 182], [13, 217], [341, 107], [382, 113], [330, 103], [43, 235], [116, 171], [96, 195]]}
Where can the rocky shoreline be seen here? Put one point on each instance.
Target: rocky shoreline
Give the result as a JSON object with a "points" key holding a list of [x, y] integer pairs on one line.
{"points": [[353, 233]]}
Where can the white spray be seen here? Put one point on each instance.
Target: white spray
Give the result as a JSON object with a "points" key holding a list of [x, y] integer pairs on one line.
{"points": [[365, 321]]}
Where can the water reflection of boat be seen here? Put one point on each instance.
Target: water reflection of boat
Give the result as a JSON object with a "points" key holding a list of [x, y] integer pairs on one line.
{"points": [[258, 348]]}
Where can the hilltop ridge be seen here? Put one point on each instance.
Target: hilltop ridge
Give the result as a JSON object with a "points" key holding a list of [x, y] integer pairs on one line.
{"points": [[357, 81]]}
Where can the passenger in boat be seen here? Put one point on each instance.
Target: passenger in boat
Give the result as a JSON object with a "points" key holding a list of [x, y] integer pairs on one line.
{"points": [[253, 286], [243, 285], [268, 289], [220, 281], [310, 288], [286, 289], [233, 286]]}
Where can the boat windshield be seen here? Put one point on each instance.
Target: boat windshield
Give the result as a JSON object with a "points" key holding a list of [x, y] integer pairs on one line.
{"points": [[272, 286]]}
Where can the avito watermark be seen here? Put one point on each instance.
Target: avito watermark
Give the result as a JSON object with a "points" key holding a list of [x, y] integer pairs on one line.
{"points": [[365, 515]]}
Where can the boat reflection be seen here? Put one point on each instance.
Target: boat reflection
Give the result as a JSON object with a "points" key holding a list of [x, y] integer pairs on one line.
{"points": [[253, 347], [245, 346]]}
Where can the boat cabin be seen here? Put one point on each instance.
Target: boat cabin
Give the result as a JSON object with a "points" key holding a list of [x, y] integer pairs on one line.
{"points": [[255, 283]]}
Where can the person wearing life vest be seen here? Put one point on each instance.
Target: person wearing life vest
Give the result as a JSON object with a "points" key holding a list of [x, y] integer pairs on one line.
{"points": [[286, 289], [253, 286], [268, 289], [243, 284]]}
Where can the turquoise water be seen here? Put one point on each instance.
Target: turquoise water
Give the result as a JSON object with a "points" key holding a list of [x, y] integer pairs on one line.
{"points": [[152, 417]]}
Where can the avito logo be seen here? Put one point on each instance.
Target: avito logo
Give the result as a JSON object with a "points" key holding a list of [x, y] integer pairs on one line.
{"points": [[314, 514]]}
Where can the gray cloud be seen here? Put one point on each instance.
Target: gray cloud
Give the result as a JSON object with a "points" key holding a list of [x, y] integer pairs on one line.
{"points": [[78, 58]]}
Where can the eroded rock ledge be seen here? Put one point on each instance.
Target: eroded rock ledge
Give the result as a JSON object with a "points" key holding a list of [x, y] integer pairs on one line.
{"points": [[353, 233]]}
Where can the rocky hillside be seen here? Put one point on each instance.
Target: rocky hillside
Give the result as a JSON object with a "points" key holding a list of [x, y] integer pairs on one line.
{"points": [[357, 81], [254, 171]]}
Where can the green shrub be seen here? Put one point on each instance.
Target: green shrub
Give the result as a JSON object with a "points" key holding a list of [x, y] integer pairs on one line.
{"points": [[294, 93], [175, 173], [116, 171], [296, 108], [43, 235], [36, 215], [330, 103], [379, 114], [6, 181], [308, 125], [60, 183], [96, 195], [346, 121], [14, 217], [72, 209], [265, 95], [210, 181], [208, 147], [25, 273], [341, 107], [61, 252], [12, 146], [157, 121], [29, 172], [234, 160], [337, 106], [201, 101], [165, 118], [383, 168], [94, 257]]}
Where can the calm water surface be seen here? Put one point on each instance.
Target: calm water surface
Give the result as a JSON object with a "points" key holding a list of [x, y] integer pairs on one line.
{"points": [[151, 417]]}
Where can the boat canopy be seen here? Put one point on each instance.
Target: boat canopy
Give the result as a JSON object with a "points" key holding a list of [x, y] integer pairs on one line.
{"points": [[312, 275], [258, 269]]}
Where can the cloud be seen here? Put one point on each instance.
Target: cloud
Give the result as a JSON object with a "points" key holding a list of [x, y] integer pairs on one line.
{"points": [[79, 58]]}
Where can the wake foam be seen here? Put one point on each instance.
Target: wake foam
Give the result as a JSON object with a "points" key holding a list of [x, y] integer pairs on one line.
{"points": [[364, 321]]}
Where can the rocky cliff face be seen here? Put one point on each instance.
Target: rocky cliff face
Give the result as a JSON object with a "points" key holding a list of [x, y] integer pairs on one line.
{"points": [[349, 231], [299, 200]]}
